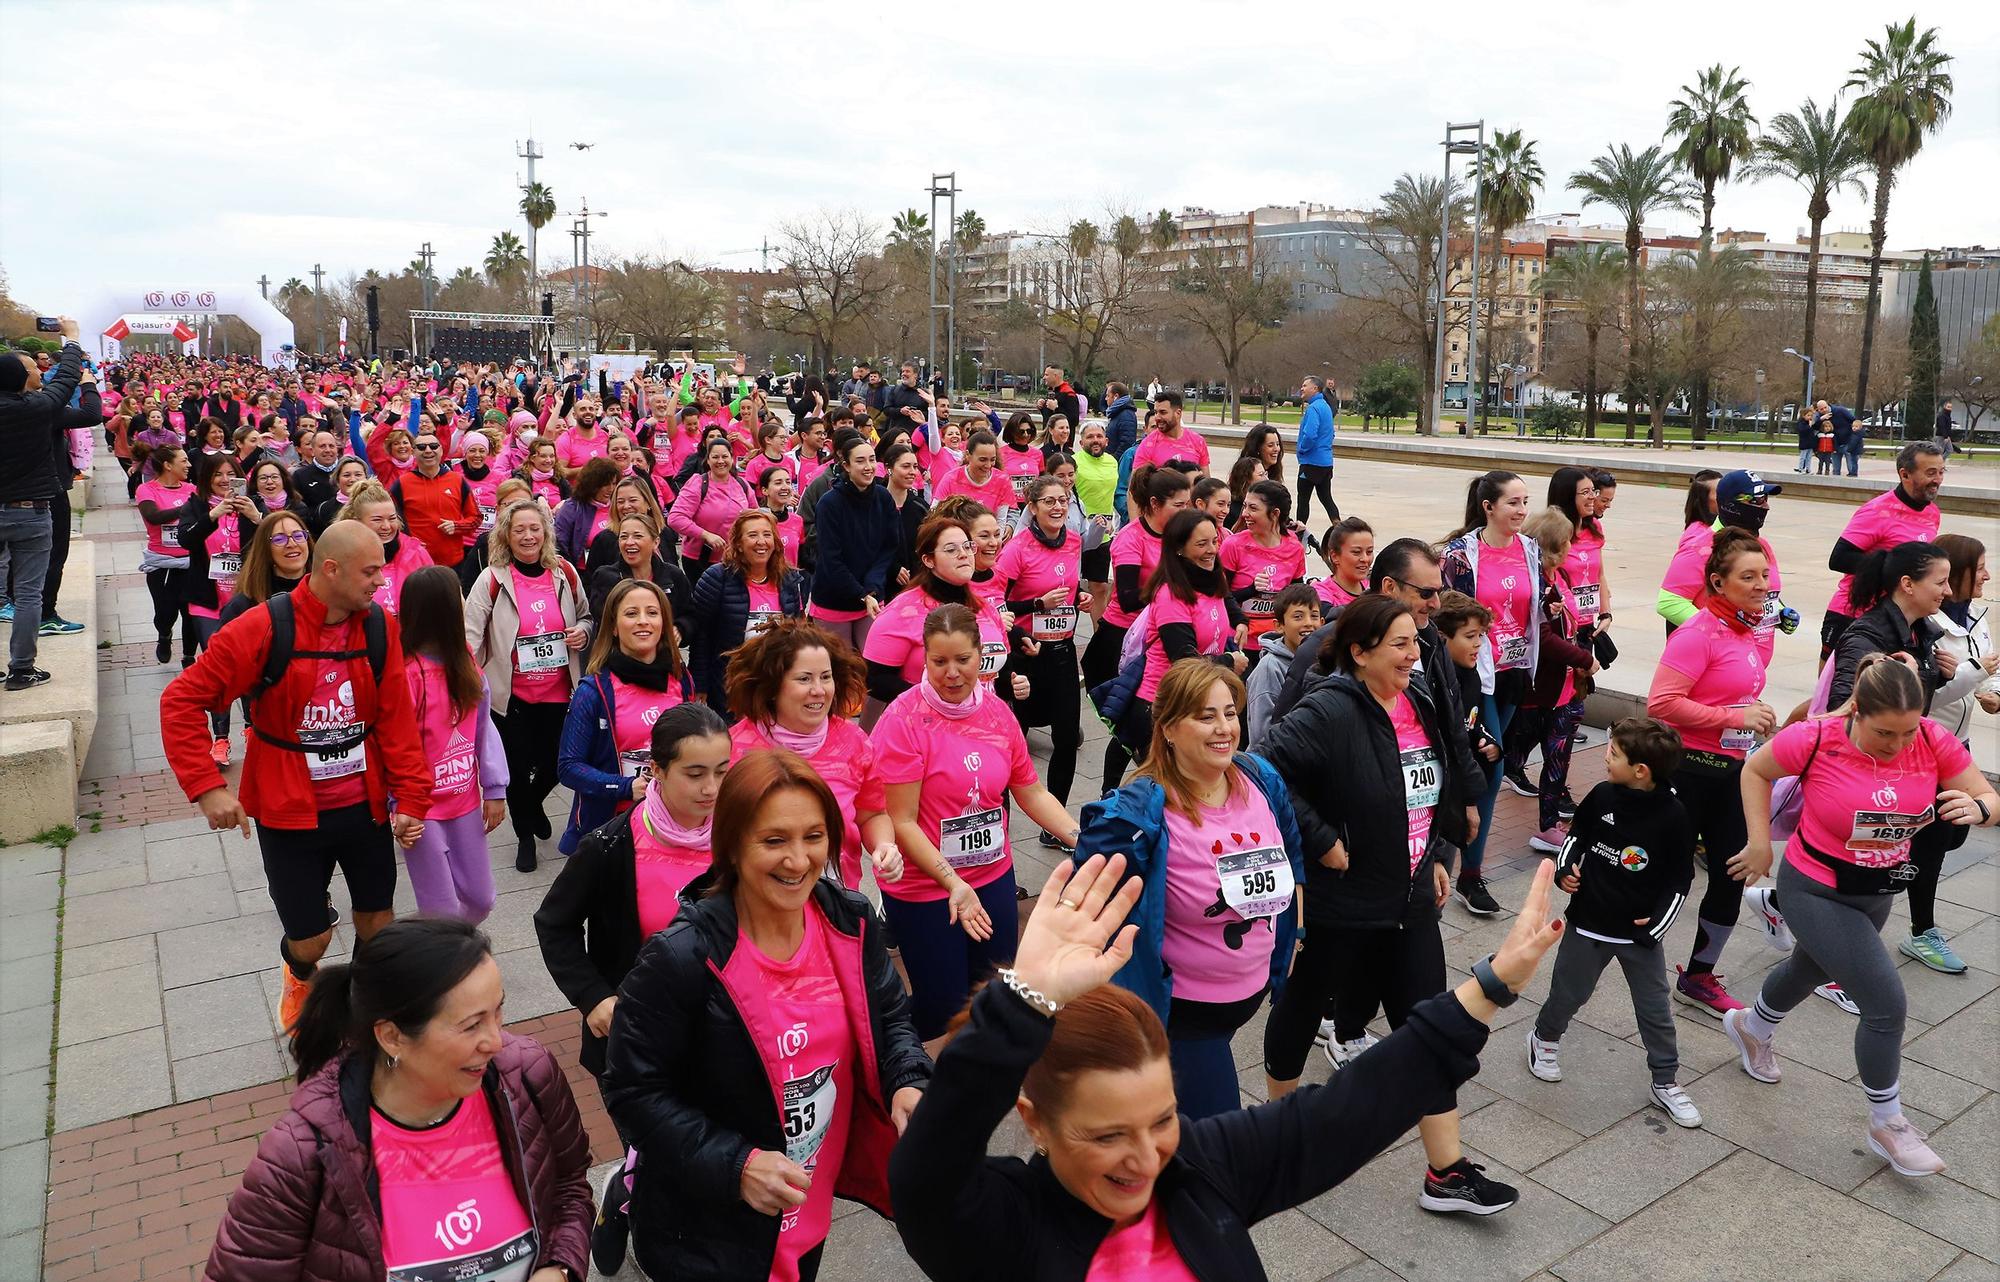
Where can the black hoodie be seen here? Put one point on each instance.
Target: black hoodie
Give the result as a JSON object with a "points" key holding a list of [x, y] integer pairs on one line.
{"points": [[1634, 852]]}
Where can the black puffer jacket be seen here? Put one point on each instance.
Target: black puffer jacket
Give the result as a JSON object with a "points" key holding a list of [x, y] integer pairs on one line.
{"points": [[688, 1089], [1885, 629], [717, 616], [1337, 752]]}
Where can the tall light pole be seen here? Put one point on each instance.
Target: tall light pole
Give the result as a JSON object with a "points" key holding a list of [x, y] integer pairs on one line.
{"points": [[580, 231], [944, 187], [1453, 146], [426, 254], [1793, 351], [319, 326], [527, 151]]}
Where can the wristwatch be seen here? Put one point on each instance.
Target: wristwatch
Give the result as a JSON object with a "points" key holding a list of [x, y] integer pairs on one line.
{"points": [[1492, 985]]}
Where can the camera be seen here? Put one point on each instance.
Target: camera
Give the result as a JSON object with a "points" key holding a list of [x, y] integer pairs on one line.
{"points": [[47, 325]]}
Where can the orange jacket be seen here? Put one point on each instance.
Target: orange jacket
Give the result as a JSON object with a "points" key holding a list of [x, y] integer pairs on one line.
{"points": [[276, 789]]}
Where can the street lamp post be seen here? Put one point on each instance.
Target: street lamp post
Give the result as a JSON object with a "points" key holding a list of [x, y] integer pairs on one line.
{"points": [[1793, 351], [1453, 146]]}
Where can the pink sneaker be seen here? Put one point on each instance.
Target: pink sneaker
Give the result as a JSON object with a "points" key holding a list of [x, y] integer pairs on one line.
{"points": [[1705, 993], [1902, 1146], [1549, 841]]}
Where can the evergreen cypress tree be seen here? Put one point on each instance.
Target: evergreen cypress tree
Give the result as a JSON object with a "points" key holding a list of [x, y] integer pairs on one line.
{"points": [[1926, 358]]}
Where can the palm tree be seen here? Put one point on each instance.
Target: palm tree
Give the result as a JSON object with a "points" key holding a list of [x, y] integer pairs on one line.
{"points": [[910, 227], [1633, 184], [970, 231], [506, 261], [1510, 176], [1591, 278], [1713, 122], [1163, 230], [538, 209], [1084, 238], [1905, 94], [1818, 152]]}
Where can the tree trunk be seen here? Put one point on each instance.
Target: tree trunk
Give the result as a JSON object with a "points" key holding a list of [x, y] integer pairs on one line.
{"points": [[1658, 411], [1878, 232], [1486, 353], [1698, 401], [1812, 308], [1235, 399], [1631, 330], [1590, 381]]}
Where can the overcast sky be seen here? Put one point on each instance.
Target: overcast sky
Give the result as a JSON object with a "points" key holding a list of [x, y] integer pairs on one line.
{"points": [[193, 143]]}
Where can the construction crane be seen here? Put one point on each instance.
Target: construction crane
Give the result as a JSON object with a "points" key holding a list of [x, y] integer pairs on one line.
{"points": [[764, 252]]}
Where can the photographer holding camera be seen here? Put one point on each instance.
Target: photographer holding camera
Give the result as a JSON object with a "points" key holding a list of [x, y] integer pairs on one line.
{"points": [[34, 418]]}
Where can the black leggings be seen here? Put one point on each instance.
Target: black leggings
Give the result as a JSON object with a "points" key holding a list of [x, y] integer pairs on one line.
{"points": [[168, 588], [1099, 665], [1713, 799], [1360, 970], [1054, 700], [530, 733], [1927, 851], [1316, 480]]}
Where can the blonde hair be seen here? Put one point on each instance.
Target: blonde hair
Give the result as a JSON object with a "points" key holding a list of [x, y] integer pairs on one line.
{"points": [[366, 494], [1553, 532], [1183, 693], [500, 552]]}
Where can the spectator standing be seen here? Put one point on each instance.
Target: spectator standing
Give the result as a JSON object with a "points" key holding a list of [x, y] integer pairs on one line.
{"points": [[1944, 430], [31, 438], [1316, 426]]}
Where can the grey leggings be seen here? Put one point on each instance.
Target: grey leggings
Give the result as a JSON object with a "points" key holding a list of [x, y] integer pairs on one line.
{"points": [[1580, 960], [1840, 939]]}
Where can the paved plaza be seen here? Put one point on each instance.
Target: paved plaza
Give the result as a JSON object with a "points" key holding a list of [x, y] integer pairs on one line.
{"points": [[135, 1095]]}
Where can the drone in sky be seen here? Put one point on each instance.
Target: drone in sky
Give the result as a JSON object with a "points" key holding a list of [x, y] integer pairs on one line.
{"points": [[583, 146]]}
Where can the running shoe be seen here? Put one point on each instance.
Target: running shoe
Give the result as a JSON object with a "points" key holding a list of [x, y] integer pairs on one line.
{"points": [[1549, 841], [1341, 1054], [1679, 1107], [218, 752], [1930, 949], [57, 626], [1542, 1061], [1462, 1188], [611, 1233], [1478, 900], [1759, 1060], [1052, 842], [7, 612], [1838, 996], [292, 1000], [1758, 898], [1324, 1036], [26, 680], [1704, 992], [1903, 1147], [163, 651], [1565, 806], [1518, 781]]}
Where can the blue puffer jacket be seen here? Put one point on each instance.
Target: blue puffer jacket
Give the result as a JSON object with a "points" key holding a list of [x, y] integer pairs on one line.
{"points": [[1315, 448], [717, 618], [1133, 820], [587, 758], [1121, 424]]}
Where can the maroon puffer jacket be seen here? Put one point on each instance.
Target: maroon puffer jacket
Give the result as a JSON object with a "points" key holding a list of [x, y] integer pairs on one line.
{"points": [[308, 1209]]}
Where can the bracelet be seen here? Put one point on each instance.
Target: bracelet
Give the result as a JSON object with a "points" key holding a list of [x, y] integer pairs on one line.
{"points": [[1491, 984], [1040, 1001]]}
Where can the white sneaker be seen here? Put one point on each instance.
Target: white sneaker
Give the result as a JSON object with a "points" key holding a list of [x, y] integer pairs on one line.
{"points": [[1542, 1061], [1838, 996], [1679, 1107], [1324, 1036], [1758, 1059], [1758, 900], [1341, 1054]]}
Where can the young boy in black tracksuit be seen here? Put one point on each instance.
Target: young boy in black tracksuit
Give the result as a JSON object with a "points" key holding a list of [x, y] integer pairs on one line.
{"points": [[1627, 865]]}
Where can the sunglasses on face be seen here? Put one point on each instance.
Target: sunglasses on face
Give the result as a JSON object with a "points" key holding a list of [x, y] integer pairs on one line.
{"points": [[431, 448], [1425, 593]]}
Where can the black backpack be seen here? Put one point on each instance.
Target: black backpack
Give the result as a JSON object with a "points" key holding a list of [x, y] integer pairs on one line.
{"points": [[284, 631]]}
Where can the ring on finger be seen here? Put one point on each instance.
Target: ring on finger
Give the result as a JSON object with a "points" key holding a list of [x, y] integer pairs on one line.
{"points": [[1067, 903]]}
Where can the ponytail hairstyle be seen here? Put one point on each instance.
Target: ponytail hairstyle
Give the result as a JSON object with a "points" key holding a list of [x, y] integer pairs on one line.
{"points": [[1964, 551], [951, 620], [1175, 574], [1697, 510], [1730, 543], [1882, 571], [680, 723], [401, 974], [1152, 487], [1277, 501], [1485, 488], [1882, 683]]}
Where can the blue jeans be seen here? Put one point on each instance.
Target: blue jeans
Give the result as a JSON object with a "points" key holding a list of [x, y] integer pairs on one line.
{"points": [[942, 960], [27, 534], [1805, 461], [1496, 717], [1854, 459]]}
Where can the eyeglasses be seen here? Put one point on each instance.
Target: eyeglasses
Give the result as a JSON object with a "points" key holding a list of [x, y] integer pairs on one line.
{"points": [[294, 539], [1425, 593]]}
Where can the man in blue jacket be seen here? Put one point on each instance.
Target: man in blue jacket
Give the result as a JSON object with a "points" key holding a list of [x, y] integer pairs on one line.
{"points": [[1315, 448], [1847, 438], [1121, 420]]}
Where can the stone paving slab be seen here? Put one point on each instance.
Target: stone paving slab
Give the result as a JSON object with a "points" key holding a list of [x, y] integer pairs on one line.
{"points": [[1741, 1217]]}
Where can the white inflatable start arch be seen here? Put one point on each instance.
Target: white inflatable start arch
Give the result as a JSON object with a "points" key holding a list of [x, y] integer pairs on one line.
{"points": [[103, 311]]}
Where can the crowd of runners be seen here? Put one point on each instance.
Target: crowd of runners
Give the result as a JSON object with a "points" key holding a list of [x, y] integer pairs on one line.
{"points": [[779, 652]]}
